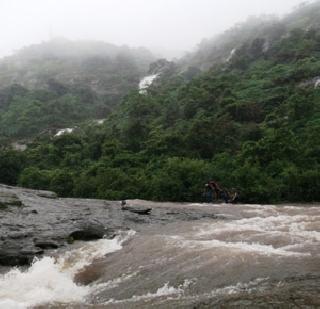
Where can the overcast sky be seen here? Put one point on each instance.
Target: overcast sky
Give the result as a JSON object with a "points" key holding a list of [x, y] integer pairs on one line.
{"points": [[166, 24]]}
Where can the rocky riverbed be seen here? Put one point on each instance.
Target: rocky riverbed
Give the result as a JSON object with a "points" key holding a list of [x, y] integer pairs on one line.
{"points": [[33, 222], [159, 255]]}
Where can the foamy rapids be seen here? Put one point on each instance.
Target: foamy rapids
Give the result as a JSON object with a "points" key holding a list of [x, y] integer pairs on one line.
{"points": [[269, 230], [50, 279]]}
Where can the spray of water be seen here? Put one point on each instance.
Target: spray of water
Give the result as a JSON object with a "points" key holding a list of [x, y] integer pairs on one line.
{"points": [[50, 279]]}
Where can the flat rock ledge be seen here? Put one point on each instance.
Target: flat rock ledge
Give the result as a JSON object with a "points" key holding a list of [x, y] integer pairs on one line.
{"points": [[35, 222]]}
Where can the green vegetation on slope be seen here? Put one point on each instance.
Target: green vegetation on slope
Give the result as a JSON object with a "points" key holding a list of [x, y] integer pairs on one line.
{"points": [[251, 124], [60, 83], [271, 28]]}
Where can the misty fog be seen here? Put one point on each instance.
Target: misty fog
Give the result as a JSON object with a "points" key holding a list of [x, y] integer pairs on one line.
{"points": [[167, 27]]}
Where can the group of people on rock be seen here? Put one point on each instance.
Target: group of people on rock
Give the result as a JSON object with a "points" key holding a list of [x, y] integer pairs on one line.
{"points": [[213, 192]]}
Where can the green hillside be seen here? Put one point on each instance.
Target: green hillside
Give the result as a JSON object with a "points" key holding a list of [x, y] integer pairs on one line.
{"points": [[251, 123], [60, 83], [270, 29]]}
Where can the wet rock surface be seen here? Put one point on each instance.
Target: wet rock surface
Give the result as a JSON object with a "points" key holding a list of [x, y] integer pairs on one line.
{"points": [[35, 221]]}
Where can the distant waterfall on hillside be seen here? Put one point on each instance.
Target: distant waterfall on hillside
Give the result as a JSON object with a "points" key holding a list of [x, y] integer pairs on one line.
{"points": [[146, 82]]}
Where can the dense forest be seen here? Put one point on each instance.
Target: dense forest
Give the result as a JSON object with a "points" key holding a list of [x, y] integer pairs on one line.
{"points": [[251, 122]]}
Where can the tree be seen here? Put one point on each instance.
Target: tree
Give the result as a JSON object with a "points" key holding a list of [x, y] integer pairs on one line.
{"points": [[11, 165]]}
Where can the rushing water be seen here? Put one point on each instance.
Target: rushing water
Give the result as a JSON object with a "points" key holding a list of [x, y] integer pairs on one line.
{"points": [[64, 131], [146, 82], [50, 279], [251, 255]]}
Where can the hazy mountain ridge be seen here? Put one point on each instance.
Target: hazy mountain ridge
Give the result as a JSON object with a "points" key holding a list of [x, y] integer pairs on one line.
{"points": [[91, 77], [61, 83], [269, 28], [91, 64]]}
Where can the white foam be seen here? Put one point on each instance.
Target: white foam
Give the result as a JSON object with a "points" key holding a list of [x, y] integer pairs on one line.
{"points": [[237, 245], [249, 287], [249, 234], [113, 283], [239, 287], [179, 292], [165, 290], [292, 225], [43, 282], [50, 280]]}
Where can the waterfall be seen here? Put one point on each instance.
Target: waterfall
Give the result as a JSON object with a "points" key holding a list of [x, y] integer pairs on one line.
{"points": [[146, 82]]}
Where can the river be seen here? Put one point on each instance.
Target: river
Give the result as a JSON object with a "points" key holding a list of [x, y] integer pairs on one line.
{"points": [[250, 255]]}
